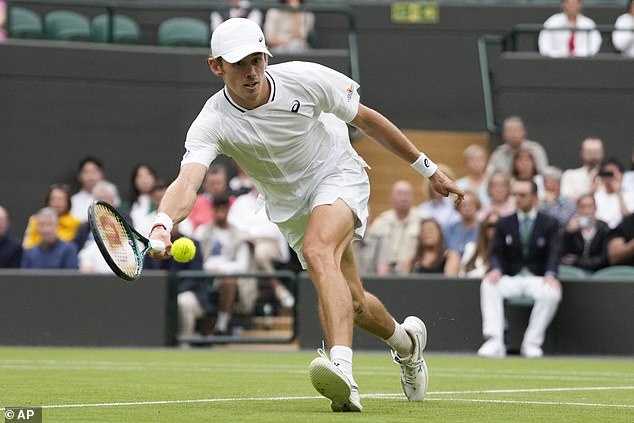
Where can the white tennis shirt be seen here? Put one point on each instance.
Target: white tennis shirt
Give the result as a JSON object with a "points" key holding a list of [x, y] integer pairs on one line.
{"points": [[288, 145]]}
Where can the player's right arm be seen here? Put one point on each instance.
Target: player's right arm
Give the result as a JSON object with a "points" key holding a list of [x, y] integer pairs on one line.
{"points": [[383, 131], [177, 202]]}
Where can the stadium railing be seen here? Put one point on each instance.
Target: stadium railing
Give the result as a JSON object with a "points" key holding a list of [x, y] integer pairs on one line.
{"points": [[258, 326], [522, 38]]}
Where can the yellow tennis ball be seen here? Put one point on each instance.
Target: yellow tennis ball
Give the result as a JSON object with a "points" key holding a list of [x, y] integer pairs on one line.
{"points": [[183, 250]]}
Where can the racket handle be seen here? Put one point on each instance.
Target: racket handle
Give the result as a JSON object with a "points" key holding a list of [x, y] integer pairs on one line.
{"points": [[157, 246]]}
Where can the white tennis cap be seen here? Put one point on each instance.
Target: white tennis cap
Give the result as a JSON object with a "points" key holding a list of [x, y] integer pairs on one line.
{"points": [[236, 38]]}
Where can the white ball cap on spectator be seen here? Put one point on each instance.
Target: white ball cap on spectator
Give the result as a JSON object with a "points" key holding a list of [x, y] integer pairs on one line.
{"points": [[236, 38]]}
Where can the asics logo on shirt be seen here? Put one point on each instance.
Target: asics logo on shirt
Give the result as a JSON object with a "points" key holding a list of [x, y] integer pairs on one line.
{"points": [[350, 90], [295, 106]]}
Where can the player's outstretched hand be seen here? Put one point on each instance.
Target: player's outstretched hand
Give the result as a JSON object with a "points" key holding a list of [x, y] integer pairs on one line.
{"points": [[444, 185], [159, 233]]}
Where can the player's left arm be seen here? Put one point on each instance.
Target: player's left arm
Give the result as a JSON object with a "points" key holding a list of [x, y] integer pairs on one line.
{"points": [[383, 131]]}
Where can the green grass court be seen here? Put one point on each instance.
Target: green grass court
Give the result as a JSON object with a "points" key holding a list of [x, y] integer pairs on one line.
{"points": [[171, 385]]}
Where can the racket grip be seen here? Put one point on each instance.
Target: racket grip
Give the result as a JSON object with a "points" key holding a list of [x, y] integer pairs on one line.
{"points": [[157, 246]]}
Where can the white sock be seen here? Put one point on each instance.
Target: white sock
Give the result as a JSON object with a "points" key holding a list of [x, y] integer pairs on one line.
{"points": [[400, 341], [222, 322], [342, 357]]}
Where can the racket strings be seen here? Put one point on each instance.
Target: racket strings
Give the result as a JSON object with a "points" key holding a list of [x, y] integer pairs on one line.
{"points": [[122, 249]]}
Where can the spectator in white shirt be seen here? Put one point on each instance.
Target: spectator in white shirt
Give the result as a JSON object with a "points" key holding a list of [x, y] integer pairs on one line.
{"points": [[89, 172], [569, 33], [613, 204], [226, 250], [623, 35], [583, 180]]}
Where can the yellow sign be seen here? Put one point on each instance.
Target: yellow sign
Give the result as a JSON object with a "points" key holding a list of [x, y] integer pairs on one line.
{"points": [[415, 13]]}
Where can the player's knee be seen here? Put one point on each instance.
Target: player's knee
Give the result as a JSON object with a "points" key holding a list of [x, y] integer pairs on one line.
{"points": [[316, 255]]}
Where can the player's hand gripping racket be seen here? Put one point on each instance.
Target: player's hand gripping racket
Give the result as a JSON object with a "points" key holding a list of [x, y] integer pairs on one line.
{"points": [[121, 246]]}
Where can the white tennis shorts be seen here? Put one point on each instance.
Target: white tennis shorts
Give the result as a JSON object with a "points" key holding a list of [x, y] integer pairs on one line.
{"points": [[351, 184]]}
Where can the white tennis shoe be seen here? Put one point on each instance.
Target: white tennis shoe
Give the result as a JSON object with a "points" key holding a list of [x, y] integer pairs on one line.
{"points": [[414, 375], [333, 384]]}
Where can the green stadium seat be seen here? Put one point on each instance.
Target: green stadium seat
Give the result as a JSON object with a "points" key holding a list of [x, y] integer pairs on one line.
{"points": [[183, 32], [24, 23], [124, 30], [571, 272], [625, 273], [66, 25]]}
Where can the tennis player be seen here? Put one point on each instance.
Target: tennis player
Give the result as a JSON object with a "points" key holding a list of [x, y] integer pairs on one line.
{"points": [[285, 126]]}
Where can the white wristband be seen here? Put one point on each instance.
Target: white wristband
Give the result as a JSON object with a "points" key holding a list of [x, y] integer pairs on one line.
{"points": [[424, 166], [162, 219]]}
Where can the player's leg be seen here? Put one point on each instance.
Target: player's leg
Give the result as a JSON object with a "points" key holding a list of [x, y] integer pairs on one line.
{"points": [[408, 340], [328, 232]]}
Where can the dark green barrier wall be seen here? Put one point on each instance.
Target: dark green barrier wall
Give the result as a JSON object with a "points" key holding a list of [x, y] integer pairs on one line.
{"points": [[594, 317], [70, 309]]}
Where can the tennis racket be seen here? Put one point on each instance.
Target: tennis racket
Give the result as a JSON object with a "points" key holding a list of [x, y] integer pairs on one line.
{"points": [[122, 247]]}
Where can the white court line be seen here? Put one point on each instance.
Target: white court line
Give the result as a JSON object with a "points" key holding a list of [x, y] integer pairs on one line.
{"points": [[572, 404], [382, 396]]}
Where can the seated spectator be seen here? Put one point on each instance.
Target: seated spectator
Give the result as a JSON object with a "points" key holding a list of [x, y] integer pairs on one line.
{"points": [[569, 33], [391, 238], [499, 189], [465, 230], [225, 249], [438, 207], [235, 9], [524, 169], [555, 204], [215, 183], [583, 180], [90, 258], [613, 203], [89, 172], [585, 239], [623, 35], [192, 299], [524, 262], [628, 177], [475, 260], [287, 30], [140, 206], [475, 163], [514, 136], [58, 198], [10, 248], [50, 251], [269, 245], [621, 243], [431, 254]]}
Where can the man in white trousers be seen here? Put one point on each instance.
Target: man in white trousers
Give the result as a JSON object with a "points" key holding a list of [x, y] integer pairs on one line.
{"points": [[285, 126], [524, 262]]}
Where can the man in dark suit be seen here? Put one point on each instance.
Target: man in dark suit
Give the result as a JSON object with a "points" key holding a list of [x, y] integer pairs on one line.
{"points": [[524, 259]]}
